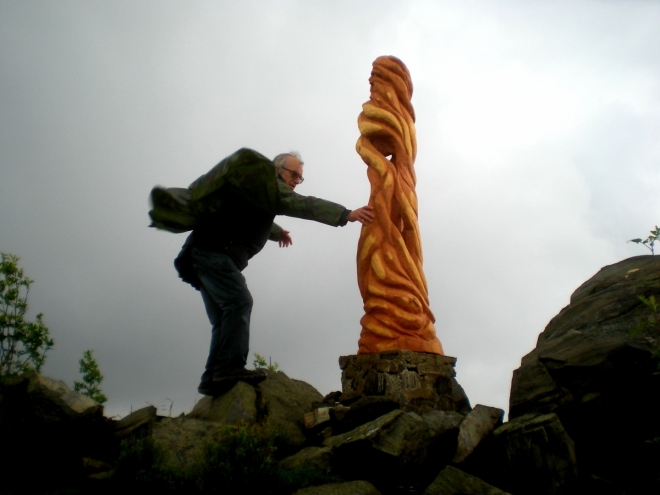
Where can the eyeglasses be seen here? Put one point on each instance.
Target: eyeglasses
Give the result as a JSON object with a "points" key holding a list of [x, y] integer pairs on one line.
{"points": [[295, 175]]}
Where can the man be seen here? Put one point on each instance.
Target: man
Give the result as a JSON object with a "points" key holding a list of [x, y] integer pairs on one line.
{"points": [[219, 248]]}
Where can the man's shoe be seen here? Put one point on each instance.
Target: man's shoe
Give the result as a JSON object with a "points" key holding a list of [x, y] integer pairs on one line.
{"points": [[248, 376], [215, 389]]}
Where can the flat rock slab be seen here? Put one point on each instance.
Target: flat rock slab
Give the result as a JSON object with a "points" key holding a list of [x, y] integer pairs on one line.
{"points": [[452, 481], [349, 488], [478, 423]]}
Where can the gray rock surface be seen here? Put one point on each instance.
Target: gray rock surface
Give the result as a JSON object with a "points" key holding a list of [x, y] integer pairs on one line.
{"points": [[478, 423], [452, 481], [540, 455], [315, 458], [183, 440], [138, 424], [400, 448], [237, 405], [348, 488], [589, 370], [278, 402]]}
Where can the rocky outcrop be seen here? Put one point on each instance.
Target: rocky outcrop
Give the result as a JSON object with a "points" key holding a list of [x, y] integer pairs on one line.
{"points": [[279, 402], [600, 381], [62, 433]]}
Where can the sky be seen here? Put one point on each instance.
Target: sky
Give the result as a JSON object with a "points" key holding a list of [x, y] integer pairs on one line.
{"points": [[538, 126]]}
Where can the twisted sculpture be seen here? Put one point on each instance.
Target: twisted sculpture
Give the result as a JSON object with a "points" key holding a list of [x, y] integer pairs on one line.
{"points": [[389, 259]]}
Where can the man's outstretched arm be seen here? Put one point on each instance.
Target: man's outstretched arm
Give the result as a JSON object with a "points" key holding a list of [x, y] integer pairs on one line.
{"points": [[293, 204]]}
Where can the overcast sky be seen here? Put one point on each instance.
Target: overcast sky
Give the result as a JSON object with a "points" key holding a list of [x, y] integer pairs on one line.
{"points": [[538, 127]]}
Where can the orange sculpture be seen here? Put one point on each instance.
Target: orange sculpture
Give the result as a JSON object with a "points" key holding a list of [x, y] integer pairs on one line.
{"points": [[389, 258]]}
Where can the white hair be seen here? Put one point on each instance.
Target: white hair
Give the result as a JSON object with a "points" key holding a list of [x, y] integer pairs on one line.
{"points": [[280, 160]]}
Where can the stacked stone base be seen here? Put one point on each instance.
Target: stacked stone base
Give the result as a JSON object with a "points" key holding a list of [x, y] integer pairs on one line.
{"points": [[418, 381]]}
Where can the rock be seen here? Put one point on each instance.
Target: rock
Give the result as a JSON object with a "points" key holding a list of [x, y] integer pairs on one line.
{"points": [[315, 458], [540, 455], [239, 404], [279, 402], [399, 448], [478, 423], [284, 402], [183, 440], [138, 424], [349, 488], [419, 381], [45, 423], [600, 381], [362, 411], [317, 417], [452, 481]]}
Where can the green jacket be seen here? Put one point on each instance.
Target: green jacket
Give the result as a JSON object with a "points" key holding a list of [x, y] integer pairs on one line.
{"points": [[250, 175], [179, 210]]}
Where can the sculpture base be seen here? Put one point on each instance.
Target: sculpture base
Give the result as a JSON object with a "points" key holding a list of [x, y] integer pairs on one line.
{"points": [[418, 381]]}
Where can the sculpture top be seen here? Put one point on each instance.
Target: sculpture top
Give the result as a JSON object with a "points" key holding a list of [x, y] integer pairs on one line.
{"points": [[389, 259]]}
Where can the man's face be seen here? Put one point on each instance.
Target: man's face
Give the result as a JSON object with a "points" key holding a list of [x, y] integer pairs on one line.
{"points": [[292, 172]]}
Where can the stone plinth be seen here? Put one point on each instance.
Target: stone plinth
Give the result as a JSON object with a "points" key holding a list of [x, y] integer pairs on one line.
{"points": [[418, 381]]}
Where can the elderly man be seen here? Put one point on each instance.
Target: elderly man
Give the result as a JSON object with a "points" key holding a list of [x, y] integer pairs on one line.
{"points": [[219, 248]]}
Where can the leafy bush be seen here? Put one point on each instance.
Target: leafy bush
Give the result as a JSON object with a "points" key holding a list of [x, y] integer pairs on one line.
{"points": [[260, 362], [650, 241], [92, 378], [23, 343]]}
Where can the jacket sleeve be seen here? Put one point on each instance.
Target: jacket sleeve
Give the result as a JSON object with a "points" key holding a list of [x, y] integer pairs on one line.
{"points": [[293, 204], [275, 232]]}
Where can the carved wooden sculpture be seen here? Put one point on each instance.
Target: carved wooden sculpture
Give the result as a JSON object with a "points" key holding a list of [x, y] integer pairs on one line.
{"points": [[390, 275]]}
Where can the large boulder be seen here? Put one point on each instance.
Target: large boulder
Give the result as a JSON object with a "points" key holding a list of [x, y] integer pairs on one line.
{"points": [[599, 379], [52, 428], [536, 456], [400, 449], [279, 402]]}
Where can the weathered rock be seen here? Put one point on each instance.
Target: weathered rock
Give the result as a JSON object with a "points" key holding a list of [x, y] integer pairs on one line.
{"points": [[540, 455], [317, 417], [399, 448], [183, 440], [237, 405], [478, 423], [452, 481], [315, 458], [361, 411], [421, 382], [138, 424], [590, 371], [279, 402], [51, 427], [348, 488]]}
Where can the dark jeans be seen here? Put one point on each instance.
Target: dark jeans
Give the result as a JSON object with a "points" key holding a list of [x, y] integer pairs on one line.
{"points": [[228, 305]]}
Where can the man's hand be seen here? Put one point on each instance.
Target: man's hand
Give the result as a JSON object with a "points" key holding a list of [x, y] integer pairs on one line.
{"points": [[363, 215], [285, 239]]}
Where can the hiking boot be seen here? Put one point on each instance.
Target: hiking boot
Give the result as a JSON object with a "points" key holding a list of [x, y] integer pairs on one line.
{"points": [[215, 389], [248, 376]]}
